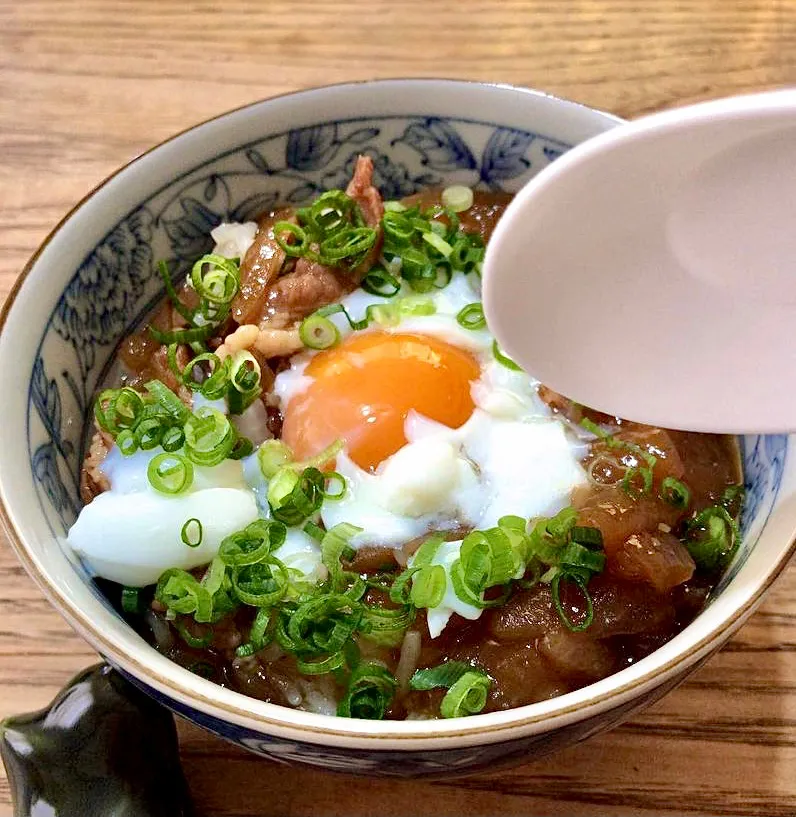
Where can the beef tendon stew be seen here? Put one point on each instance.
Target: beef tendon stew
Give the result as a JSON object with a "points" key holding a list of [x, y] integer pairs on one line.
{"points": [[321, 483]]}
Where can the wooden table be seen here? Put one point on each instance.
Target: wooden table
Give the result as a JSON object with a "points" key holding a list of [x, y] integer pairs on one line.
{"points": [[85, 85]]}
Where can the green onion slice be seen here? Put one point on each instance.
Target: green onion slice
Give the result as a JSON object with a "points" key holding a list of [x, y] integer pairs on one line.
{"points": [[380, 282], [428, 586], [442, 676], [370, 691], [215, 278], [209, 436], [336, 546], [712, 538], [262, 584], [318, 332], [272, 455], [575, 577], [503, 359], [385, 626], [132, 602], [301, 244], [675, 492], [467, 696], [347, 245], [252, 544], [179, 592], [458, 198], [170, 473], [472, 316], [191, 533]]}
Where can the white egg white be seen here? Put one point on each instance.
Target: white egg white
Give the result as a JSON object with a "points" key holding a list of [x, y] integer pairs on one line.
{"points": [[132, 533]]}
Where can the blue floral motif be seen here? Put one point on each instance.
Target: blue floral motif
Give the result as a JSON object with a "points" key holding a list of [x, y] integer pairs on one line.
{"points": [[98, 303], [47, 474], [440, 145], [315, 147], [189, 233], [47, 400], [312, 148], [504, 156], [391, 178], [254, 206]]}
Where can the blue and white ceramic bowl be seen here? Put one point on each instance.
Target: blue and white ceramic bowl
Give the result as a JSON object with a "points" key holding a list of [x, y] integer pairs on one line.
{"points": [[94, 278]]}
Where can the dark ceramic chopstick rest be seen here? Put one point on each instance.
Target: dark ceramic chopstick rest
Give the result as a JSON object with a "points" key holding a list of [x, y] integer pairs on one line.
{"points": [[102, 747]]}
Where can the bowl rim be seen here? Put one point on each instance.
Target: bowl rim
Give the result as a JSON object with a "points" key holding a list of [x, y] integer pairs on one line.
{"points": [[342, 729]]}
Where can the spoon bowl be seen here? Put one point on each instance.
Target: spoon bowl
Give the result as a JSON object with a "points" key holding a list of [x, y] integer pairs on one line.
{"points": [[651, 271]]}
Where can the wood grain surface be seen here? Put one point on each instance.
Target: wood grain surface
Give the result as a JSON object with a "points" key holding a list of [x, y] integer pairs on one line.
{"points": [[85, 85]]}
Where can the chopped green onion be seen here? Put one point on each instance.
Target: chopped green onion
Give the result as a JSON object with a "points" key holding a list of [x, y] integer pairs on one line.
{"points": [[712, 537], [370, 691], [613, 442], [179, 591], [196, 642], [209, 437], [576, 578], [322, 624], [329, 213], [191, 533], [347, 245], [415, 305], [313, 530], [438, 243], [503, 359], [468, 696], [587, 536], [149, 433], [675, 492], [428, 586], [384, 626], [259, 626], [169, 401], [183, 336], [331, 479], [170, 473], [262, 584], [322, 666], [272, 455], [293, 497], [398, 229], [302, 244], [637, 481], [472, 316], [216, 279], [252, 544], [458, 198], [322, 458], [336, 546], [131, 600], [318, 332], [213, 580], [732, 499], [126, 442], [574, 555], [380, 282], [418, 270], [442, 676]]}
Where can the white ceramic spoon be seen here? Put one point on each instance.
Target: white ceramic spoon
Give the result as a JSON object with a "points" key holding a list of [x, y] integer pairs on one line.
{"points": [[651, 271]]}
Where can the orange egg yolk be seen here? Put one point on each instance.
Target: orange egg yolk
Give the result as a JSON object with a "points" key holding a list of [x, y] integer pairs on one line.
{"points": [[363, 389]]}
